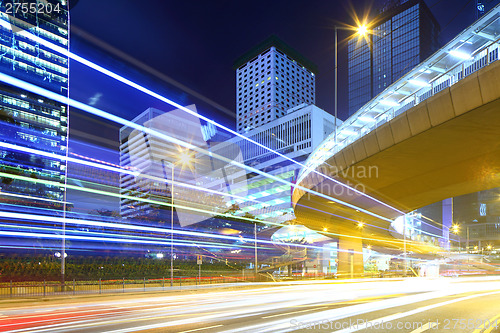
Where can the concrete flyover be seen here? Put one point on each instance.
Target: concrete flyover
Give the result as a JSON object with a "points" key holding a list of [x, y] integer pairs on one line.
{"points": [[445, 146]]}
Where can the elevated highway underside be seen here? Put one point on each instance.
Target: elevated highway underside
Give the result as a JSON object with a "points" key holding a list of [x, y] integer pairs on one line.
{"points": [[446, 146]]}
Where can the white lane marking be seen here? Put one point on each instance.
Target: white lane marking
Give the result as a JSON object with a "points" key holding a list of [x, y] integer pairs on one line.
{"points": [[289, 313], [412, 312], [424, 328], [201, 329]]}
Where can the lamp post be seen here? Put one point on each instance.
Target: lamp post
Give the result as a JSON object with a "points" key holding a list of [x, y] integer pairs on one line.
{"points": [[172, 168], [336, 83], [255, 249], [185, 159], [456, 229], [404, 244], [361, 31], [467, 251], [467, 239]]}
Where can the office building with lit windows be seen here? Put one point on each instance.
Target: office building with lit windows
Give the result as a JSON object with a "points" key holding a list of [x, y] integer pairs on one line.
{"points": [[270, 79], [30, 121], [150, 158], [402, 36], [295, 135], [275, 93]]}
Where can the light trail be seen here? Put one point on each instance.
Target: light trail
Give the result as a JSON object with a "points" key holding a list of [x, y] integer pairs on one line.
{"points": [[179, 242], [415, 311], [197, 210], [115, 169], [101, 239], [122, 196], [40, 91], [23, 216], [285, 304], [151, 93], [145, 228], [168, 205]]}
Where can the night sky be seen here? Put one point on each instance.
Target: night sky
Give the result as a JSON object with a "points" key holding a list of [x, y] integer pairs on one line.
{"points": [[196, 42]]}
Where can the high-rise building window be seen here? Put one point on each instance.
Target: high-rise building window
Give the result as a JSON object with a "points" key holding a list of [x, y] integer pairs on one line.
{"points": [[394, 48]]}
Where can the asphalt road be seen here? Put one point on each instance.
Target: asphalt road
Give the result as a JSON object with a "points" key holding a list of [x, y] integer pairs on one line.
{"points": [[411, 305]]}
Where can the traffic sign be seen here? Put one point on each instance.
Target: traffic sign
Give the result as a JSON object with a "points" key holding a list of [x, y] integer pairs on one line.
{"points": [[199, 260]]}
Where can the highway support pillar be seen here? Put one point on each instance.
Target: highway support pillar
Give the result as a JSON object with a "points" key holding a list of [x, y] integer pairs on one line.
{"points": [[350, 257]]}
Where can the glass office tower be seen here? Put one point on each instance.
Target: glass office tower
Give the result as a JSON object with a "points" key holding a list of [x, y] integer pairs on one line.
{"points": [[402, 36], [30, 121]]}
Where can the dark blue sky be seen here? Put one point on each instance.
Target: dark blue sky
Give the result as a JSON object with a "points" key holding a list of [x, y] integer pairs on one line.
{"points": [[195, 42]]}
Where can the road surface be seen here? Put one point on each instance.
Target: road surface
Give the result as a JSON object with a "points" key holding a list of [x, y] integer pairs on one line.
{"points": [[380, 305]]}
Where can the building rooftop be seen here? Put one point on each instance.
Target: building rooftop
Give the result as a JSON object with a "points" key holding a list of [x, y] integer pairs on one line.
{"points": [[280, 45], [394, 7]]}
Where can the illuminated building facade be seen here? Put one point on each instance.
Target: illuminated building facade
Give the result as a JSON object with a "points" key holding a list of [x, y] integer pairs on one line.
{"points": [[151, 154], [404, 35], [294, 135], [138, 152], [28, 120], [275, 93], [270, 79]]}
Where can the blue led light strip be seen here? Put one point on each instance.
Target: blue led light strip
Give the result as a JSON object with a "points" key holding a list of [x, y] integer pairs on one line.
{"points": [[115, 169], [99, 235], [22, 216]]}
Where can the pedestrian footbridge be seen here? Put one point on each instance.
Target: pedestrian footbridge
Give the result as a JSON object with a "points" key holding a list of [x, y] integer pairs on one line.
{"points": [[432, 135]]}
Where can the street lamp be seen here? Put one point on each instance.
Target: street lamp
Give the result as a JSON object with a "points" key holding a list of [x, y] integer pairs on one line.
{"points": [[361, 31], [456, 229], [184, 159]]}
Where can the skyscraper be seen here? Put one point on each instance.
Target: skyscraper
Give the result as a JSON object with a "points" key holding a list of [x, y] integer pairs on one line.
{"points": [[270, 79], [294, 135], [29, 121], [402, 35], [151, 157], [275, 89], [155, 160]]}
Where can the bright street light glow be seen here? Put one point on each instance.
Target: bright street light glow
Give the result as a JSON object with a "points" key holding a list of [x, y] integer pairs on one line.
{"points": [[362, 30]]}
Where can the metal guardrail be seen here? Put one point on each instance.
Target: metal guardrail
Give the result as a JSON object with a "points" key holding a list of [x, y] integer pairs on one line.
{"points": [[96, 287], [54, 288]]}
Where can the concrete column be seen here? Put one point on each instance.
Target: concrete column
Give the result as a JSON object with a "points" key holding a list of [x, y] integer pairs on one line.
{"points": [[447, 215], [350, 257]]}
